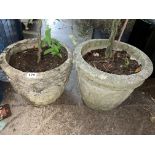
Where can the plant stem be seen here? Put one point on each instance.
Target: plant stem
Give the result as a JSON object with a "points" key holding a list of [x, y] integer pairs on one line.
{"points": [[123, 29], [114, 28], [39, 41]]}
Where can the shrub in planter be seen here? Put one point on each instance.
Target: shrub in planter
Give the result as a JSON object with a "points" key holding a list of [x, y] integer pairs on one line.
{"points": [[109, 71], [38, 69]]}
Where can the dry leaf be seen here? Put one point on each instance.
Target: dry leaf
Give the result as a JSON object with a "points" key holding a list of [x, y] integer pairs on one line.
{"points": [[138, 69]]}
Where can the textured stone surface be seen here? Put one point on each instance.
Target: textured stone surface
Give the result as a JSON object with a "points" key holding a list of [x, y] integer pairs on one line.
{"points": [[104, 91], [47, 86]]}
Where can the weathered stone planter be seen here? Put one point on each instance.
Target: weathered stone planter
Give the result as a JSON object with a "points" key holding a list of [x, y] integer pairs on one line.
{"points": [[40, 88], [104, 91]]}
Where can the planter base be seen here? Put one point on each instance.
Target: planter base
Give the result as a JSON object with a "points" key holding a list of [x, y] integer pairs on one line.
{"points": [[101, 98]]}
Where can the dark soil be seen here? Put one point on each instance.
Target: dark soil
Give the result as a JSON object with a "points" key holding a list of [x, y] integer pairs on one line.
{"points": [[120, 63], [27, 61]]}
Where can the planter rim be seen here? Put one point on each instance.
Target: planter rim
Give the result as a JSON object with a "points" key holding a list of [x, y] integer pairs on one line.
{"points": [[8, 48], [113, 80]]}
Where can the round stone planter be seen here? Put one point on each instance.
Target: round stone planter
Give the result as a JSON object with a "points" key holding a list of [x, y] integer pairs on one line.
{"points": [[104, 91], [40, 88]]}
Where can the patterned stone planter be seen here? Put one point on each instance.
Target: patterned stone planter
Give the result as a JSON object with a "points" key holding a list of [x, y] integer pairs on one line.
{"points": [[104, 91], [40, 88]]}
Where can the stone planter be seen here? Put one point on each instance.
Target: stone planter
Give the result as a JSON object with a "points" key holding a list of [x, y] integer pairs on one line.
{"points": [[104, 91], [40, 88]]}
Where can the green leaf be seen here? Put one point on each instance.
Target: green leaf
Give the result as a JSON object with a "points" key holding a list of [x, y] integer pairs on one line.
{"points": [[126, 61], [47, 51], [47, 38], [54, 45], [59, 54]]}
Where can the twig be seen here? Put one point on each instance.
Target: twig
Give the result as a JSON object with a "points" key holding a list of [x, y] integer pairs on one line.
{"points": [[123, 29], [39, 41], [114, 28]]}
